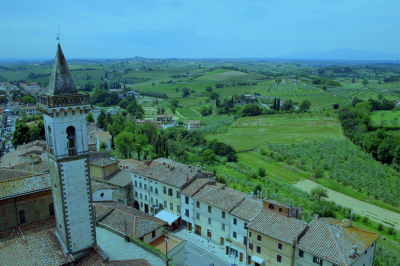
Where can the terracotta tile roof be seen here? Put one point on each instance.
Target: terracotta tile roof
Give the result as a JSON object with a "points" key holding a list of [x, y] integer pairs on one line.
{"points": [[278, 203], [220, 197], [99, 186], [168, 172], [102, 162], [248, 209], [138, 223], [119, 178], [334, 240], [96, 257], [38, 167], [23, 185], [138, 262], [195, 186], [91, 127], [37, 245], [129, 164], [16, 157], [279, 227], [103, 136], [11, 174]]}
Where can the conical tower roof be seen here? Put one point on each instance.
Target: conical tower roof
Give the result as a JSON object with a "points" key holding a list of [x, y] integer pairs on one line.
{"points": [[61, 81]]}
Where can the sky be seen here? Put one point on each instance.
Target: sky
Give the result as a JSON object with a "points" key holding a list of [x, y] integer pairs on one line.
{"points": [[196, 29]]}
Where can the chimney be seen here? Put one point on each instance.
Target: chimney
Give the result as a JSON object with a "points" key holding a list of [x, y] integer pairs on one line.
{"points": [[258, 194], [262, 192], [252, 193]]}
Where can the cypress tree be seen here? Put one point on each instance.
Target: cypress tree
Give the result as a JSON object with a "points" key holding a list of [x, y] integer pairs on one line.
{"points": [[274, 106], [278, 104]]}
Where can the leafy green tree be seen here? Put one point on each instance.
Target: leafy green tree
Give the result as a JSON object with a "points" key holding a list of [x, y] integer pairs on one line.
{"points": [[204, 111], [177, 89], [42, 133], [34, 133], [103, 146], [251, 110], [380, 227], [28, 99], [319, 192], [305, 105], [365, 82], [261, 171], [185, 92], [90, 117], [213, 95], [174, 102], [140, 143], [209, 156], [114, 129], [124, 144], [353, 80], [209, 89], [123, 104], [20, 135], [101, 119]]}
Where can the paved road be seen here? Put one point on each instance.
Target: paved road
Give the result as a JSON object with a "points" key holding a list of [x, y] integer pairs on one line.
{"points": [[196, 256], [360, 207]]}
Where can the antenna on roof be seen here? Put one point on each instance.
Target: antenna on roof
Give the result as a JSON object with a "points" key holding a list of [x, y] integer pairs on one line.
{"points": [[58, 34]]}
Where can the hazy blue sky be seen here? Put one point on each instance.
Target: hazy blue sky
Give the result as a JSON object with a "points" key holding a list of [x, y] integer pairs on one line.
{"points": [[202, 28]]}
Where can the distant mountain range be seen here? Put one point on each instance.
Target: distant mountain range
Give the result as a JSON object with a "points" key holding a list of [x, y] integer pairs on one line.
{"points": [[343, 54]]}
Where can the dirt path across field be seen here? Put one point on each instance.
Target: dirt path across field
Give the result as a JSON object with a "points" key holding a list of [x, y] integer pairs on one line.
{"points": [[373, 212]]}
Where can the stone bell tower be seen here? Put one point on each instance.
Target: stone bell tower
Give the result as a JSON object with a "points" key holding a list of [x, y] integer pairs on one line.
{"points": [[64, 111]]}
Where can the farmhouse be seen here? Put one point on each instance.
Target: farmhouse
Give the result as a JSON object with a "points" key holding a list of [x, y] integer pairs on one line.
{"points": [[164, 118]]}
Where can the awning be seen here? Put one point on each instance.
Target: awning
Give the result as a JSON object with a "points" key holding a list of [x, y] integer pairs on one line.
{"points": [[167, 216], [257, 259]]}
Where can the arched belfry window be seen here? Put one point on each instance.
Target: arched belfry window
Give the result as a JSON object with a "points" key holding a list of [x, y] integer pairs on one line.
{"points": [[22, 219], [71, 136]]}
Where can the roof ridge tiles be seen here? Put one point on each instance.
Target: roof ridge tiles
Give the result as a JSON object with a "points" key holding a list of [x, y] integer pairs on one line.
{"points": [[335, 240]]}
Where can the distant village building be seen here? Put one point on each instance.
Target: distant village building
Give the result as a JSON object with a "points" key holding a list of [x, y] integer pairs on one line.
{"points": [[133, 93], [164, 118], [193, 124]]}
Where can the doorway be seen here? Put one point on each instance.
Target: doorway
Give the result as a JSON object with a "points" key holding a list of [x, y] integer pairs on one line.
{"points": [[146, 208], [136, 205], [198, 229], [241, 257], [209, 234], [190, 226]]}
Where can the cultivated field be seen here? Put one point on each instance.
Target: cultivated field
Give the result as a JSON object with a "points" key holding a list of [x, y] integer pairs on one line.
{"points": [[251, 132]]}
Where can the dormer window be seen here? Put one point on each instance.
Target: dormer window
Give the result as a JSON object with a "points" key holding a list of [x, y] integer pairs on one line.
{"points": [[71, 141]]}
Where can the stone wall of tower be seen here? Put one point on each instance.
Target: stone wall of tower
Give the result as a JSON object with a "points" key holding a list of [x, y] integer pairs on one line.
{"points": [[78, 204]]}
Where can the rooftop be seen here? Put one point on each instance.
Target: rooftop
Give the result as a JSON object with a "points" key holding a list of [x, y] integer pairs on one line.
{"points": [[99, 186], [285, 229], [119, 178], [129, 164], [61, 80], [138, 223], [220, 197], [24, 185], [248, 209], [195, 186], [102, 162], [334, 240]]}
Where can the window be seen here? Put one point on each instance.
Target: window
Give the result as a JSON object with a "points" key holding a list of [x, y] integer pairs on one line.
{"points": [[151, 188], [271, 206], [258, 250], [234, 234], [178, 195], [223, 215], [317, 260], [259, 238], [141, 195], [121, 201], [170, 192], [165, 204], [140, 185], [279, 258], [249, 233], [250, 246], [135, 183], [280, 209], [145, 186], [209, 221], [280, 246], [198, 204], [141, 204], [157, 202], [165, 190], [223, 227], [120, 190], [136, 194], [234, 221], [151, 199], [71, 141], [187, 212], [156, 190], [245, 240], [51, 209], [178, 208], [209, 209], [145, 197], [171, 206], [153, 234], [198, 216], [301, 253], [245, 225], [186, 199]]}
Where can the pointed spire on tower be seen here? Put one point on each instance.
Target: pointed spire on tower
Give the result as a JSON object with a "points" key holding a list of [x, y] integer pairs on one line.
{"points": [[61, 80]]}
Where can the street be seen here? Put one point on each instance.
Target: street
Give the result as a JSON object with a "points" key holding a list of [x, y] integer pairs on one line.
{"points": [[196, 256]]}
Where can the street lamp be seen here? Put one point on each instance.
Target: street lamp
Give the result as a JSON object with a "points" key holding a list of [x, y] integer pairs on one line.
{"points": [[166, 249]]}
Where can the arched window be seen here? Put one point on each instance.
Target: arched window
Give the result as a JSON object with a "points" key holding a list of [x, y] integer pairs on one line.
{"points": [[271, 206], [50, 138], [22, 219], [71, 141], [51, 209]]}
